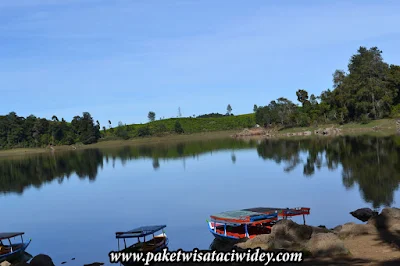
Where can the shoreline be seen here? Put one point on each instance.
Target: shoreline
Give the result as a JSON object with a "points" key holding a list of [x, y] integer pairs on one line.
{"points": [[383, 127]]}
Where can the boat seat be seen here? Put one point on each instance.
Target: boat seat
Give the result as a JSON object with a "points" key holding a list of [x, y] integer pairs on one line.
{"points": [[4, 250]]}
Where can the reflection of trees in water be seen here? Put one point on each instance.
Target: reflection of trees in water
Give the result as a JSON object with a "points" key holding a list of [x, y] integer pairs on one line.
{"points": [[370, 162], [18, 174]]}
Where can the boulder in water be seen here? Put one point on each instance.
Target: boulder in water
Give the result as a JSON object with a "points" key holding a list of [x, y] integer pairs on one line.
{"points": [[364, 214], [41, 260]]}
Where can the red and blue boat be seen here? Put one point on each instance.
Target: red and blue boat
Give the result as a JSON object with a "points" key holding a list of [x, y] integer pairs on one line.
{"points": [[244, 224]]}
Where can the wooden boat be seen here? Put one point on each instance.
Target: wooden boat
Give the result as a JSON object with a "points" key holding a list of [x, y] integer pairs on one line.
{"points": [[153, 244], [247, 223], [241, 225], [12, 251]]}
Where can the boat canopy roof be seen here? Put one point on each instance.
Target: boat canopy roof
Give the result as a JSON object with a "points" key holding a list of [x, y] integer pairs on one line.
{"points": [[243, 216], [281, 211], [140, 231], [10, 235]]}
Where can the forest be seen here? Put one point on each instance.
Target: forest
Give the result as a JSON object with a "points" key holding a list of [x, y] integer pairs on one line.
{"points": [[368, 90]]}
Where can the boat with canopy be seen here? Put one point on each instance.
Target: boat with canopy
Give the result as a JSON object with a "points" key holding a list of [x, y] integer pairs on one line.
{"points": [[12, 251], [247, 223], [153, 243], [241, 224]]}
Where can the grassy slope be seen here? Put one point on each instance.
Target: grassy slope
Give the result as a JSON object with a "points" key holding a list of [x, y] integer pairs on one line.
{"points": [[196, 125]]}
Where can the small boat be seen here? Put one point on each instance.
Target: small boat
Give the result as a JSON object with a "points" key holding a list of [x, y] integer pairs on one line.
{"points": [[241, 225], [154, 244], [245, 224], [12, 251]]}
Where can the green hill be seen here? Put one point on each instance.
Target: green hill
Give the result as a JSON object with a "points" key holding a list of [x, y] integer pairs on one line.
{"points": [[188, 125]]}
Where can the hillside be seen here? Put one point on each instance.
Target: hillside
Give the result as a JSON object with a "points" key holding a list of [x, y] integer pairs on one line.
{"points": [[188, 125]]}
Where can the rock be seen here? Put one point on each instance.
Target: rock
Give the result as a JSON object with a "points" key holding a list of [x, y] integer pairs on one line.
{"points": [[326, 244], [285, 234], [260, 241], [353, 229], [288, 234], [307, 133], [21, 263], [320, 229], [364, 214], [337, 228], [389, 217], [41, 260]]}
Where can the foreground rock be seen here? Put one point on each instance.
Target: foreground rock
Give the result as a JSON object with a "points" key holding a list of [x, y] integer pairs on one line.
{"points": [[353, 229], [364, 214], [288, 235], [388, 219]]}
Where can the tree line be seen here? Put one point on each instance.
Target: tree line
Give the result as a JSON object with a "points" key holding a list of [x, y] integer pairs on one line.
{"points": [[32, 131], [370, 89]]}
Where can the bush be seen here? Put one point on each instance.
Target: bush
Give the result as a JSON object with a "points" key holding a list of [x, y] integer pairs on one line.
{"points": [[144, 131], [178, 127], [395, 111], [365, 119]]}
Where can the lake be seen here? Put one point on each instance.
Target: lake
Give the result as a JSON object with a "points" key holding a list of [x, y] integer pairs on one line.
{"points": [[72, 203]]}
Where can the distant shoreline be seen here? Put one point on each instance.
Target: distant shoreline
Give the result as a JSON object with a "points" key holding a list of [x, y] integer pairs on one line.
{"points": [[382, 127]]}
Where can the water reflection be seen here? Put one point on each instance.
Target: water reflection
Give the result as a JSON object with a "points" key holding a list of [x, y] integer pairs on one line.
{"points": [[370, 162]]}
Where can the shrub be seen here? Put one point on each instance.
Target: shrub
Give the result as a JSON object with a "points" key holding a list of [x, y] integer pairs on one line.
{"points": [[178, 127]]}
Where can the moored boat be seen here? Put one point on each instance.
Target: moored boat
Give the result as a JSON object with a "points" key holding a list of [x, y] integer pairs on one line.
{"points": [[153, 243], [241, 224], [245, 224], [12, 251]]}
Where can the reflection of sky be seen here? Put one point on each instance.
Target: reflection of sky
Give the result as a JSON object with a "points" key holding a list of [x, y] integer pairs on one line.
{"points": [[79, 218]]}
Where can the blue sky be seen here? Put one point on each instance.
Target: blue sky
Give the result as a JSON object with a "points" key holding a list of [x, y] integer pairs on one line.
{"points": [[120, 59]]}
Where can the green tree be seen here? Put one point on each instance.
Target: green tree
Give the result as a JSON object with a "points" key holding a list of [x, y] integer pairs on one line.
{"points": [[178, 127], [229, 109], [151, 116], [255, 108]]}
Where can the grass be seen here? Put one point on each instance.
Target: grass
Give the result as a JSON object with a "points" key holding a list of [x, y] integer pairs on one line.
{"points": [[193, 125], [384, 125]]}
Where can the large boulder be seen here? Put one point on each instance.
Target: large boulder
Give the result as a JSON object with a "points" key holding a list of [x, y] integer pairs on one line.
{"points": [[353, 229], [388, 219], [364, 214], [41, 260], [286, 235], [326, 244]]}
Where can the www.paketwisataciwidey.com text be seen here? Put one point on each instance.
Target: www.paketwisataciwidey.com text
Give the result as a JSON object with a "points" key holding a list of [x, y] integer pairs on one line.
{"points": [[166, 256]]}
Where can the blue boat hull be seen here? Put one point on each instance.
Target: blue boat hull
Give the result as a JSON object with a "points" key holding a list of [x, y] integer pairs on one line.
{"points": [[16, 253]]}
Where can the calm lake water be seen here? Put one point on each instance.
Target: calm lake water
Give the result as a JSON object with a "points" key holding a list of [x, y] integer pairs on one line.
{"points": [[72, 203]]}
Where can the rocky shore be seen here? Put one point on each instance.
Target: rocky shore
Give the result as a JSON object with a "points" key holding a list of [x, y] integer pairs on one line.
{"points": [[376, 242], [271, 133]]}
